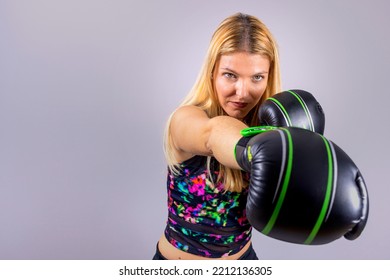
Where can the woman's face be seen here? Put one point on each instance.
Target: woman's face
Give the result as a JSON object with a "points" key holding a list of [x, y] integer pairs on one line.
{"points": [[240, 80]]}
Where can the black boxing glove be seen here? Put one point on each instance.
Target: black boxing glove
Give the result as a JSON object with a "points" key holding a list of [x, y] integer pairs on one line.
{"points": [[303, 188], [297, 108]]}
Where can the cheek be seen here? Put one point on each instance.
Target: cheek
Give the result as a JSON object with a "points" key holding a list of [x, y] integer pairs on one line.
{"points": [[223, 89], [257, 92]]}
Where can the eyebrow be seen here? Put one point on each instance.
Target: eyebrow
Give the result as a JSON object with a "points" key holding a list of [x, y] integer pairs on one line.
{"points": [[234, 72]]}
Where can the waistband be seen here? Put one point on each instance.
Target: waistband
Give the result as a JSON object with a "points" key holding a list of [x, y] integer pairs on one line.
{"points": [[249, 254]]}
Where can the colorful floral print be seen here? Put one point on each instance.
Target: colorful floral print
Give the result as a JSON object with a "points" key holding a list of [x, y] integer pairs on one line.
{"points": [[203, 218]]}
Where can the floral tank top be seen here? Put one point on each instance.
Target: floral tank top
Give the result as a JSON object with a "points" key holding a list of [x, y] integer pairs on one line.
{"points": [[203, 219]]}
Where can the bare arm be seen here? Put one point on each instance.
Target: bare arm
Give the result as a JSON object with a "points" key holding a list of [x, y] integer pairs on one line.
{"points": [[194, 133]]}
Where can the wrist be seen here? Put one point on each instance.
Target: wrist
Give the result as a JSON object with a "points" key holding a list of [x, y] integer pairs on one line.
{"points": [[242, 151]]}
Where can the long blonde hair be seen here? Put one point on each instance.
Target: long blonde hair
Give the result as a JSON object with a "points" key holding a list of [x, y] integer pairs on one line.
{"points": [[239, 32]]}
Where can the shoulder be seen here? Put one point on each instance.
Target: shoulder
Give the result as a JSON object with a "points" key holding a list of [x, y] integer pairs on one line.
{"points": [[188, 119], [188, 112], [189, 131]]}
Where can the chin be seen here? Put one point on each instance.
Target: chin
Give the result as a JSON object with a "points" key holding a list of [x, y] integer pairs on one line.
{"points": [[237, 115]]}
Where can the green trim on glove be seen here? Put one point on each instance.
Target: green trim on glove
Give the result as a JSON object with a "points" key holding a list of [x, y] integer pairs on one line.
{"points": [[280, 105], [285, 184], [303, 104], [325, 205], [254, 130]]}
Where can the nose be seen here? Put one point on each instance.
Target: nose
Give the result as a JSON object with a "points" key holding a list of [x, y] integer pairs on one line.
{"points": [[242, 88]]}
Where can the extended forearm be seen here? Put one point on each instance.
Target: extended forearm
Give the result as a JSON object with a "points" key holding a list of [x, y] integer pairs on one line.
{"points": [[223, 137]]}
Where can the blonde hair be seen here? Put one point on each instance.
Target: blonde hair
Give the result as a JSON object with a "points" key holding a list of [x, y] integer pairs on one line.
{"points": [[237, 33]]}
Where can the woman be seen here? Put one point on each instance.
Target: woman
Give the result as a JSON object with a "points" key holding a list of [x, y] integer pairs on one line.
{"points": [[207, 191]]}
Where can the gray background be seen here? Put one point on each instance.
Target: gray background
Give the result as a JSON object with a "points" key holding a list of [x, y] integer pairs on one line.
{"points": [[85, 90]]}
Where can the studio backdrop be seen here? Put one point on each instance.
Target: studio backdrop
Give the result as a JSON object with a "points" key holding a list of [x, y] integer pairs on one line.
{"points": [[86, 88]]}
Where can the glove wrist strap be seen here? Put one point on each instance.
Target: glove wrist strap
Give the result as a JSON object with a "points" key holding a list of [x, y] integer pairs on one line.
{"points": [[239, 152]]}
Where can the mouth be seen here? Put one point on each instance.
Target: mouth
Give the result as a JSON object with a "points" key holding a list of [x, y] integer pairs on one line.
{"points": [[239, 105]]}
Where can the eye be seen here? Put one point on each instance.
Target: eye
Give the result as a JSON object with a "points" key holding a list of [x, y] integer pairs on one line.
{"points": [[229, 75], [257, 78]]}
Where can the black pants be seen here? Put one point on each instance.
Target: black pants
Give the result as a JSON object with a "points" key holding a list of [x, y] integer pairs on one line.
{"points": [[250, 254]]}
